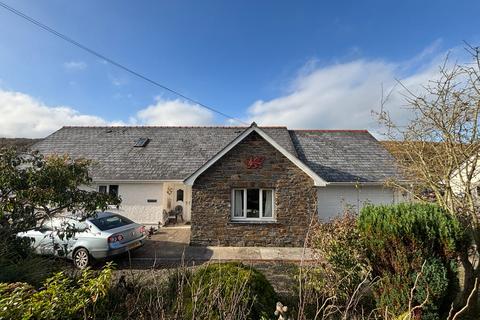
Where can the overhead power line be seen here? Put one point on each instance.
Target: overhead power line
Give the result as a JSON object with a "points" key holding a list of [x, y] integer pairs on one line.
{"points": [[111, 61]]}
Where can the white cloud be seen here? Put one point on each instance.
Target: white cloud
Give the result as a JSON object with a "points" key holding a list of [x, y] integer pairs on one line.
{"points": [[340, 96], [75, 65], [174, 112], [343, 95], [24, 116]]}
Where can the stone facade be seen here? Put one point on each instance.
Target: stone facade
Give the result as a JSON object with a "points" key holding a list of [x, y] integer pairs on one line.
{"points": [[295, 199]]}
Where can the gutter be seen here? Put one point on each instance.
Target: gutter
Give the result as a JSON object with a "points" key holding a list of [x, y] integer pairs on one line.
{"points": [[367, 183], [354, 183], [133, 181]]}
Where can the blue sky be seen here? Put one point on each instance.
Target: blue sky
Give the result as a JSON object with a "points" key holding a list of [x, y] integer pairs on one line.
{"points": [[304, 64]]}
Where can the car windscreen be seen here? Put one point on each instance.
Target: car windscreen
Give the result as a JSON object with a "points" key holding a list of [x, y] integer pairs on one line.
{"points": [[111, 222]]}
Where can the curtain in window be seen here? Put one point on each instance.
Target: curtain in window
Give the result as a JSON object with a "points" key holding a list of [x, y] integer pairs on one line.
{"points": [[238, 206], [267, 203]]}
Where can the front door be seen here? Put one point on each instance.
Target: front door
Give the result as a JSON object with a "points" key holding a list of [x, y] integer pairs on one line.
{"points": [[178, 194]]}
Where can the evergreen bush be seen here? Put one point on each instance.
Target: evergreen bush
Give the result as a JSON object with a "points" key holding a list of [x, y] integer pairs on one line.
{"points": [[398, 240]]}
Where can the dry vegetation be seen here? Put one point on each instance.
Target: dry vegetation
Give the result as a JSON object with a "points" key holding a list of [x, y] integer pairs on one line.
{"points": [[439, 150], [20, 144]]}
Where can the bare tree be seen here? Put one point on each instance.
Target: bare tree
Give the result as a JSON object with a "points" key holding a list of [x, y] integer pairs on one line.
{"points": [[439, 148]]}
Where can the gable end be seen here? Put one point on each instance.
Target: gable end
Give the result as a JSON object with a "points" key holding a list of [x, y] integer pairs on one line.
{"points": [[319, 182]]}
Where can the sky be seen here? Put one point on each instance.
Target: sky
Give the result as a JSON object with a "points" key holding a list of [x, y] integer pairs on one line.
{"points": [[301, 64]]}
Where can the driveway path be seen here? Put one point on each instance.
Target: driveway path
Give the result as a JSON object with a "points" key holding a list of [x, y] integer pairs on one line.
{"points": [[171, 245]]}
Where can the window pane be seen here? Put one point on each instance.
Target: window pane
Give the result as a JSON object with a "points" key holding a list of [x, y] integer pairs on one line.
{"points": [[102, 189], [113, 190], [179, 195], [267, 203], [253, 203], [111, 222], [238, 203]]}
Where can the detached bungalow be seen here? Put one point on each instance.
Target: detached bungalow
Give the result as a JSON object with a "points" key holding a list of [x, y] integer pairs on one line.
{"points": [[238, 186]]}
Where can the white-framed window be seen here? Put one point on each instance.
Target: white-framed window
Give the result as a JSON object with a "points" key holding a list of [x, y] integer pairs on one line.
{"points": [[102, 189], [253, 204], [110, 189]]}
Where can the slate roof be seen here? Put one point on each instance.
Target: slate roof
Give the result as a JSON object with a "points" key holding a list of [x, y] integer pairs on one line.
{"points": [[344, 155], [174, 153]]}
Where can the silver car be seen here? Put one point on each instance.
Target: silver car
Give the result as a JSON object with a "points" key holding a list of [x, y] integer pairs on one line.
{"points": [[104, 235]]}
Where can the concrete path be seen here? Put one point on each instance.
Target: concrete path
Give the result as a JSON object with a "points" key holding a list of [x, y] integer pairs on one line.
{"points": [[172, 245]]}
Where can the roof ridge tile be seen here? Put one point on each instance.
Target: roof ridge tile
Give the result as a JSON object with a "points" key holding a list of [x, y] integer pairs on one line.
{"points": [[196, 127]]}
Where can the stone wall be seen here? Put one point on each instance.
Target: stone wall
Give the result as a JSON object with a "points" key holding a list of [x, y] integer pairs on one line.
{"points": [[295, 199]]}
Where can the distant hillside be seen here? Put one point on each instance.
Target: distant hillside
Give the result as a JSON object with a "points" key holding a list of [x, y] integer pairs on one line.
{"points": [[395, 148], [21, 144], [398, 149]]}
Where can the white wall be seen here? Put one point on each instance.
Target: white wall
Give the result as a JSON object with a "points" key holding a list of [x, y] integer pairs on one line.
{"points": [[134, 201], [333, 200], [459, 178]]}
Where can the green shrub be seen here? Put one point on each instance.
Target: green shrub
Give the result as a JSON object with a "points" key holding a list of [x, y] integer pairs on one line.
{"points": [[398, 240], [33, 270], [393, 291], [18, 263], [63, 297], [219, 289], [417, 230]]}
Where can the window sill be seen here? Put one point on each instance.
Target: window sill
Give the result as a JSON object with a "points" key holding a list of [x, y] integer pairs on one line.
{"points": [[246, 221]]}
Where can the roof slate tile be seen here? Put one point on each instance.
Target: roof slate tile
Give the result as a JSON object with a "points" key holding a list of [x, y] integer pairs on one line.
{"points": [[174, 153], [344, 155]]}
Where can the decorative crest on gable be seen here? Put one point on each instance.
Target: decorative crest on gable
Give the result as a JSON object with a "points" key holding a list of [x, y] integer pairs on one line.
{"points": [[254, 162]]}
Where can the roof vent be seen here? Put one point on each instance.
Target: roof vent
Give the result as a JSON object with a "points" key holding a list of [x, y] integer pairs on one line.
{"points": [[142, 142]]}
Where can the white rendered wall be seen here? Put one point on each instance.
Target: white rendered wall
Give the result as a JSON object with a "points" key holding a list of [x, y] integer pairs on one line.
{"points": [[334, 200], [134, 201], [459, 178]]}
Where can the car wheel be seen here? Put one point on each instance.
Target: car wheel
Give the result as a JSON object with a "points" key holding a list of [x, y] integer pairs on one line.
{"points": [[81, 258]]}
